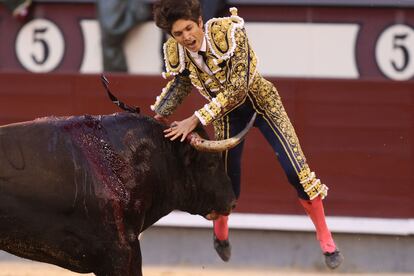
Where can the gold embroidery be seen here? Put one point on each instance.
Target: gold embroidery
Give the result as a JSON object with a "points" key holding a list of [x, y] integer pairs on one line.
{"points": [[172, 95], [311, 185], [237, 79], [267, 99], [219, 129], [174, 57], [220, 35]]}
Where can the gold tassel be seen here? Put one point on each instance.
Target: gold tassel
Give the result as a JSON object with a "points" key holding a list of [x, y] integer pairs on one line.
{"points": [[233, 11]]}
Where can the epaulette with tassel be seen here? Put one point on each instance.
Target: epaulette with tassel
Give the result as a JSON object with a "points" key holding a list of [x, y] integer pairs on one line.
{"points": [[174, 58], [220, 35]]}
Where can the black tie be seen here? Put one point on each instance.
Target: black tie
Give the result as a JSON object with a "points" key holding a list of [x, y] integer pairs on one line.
{"points": [[203, 55]]}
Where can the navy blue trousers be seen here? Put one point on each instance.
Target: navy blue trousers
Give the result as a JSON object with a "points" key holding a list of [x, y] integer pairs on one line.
{"points": [[234, 122]]}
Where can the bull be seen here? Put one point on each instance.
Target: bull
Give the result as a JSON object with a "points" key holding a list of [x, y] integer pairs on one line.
{"points": [[77, 191]]}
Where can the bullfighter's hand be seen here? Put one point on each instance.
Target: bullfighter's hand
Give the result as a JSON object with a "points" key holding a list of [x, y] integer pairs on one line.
{"points": [[161, 119], [181, 128]]}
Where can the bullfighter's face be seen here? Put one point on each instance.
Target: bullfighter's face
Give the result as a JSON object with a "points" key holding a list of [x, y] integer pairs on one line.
{"points": [[188, 33]]}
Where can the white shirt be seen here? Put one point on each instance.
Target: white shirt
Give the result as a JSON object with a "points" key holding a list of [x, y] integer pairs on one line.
{"points": [[199, 59]]}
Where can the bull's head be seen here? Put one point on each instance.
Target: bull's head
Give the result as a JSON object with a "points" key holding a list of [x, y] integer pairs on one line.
{"points": [[207, 168], [210, 172]]}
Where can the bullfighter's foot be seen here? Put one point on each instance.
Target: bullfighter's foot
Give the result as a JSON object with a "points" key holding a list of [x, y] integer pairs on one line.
{"points": [[333, 259], [223, 248]]}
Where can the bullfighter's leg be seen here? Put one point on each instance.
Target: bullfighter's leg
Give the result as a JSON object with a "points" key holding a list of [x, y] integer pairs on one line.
{"points": [[121, 261], [227, 127], [314, 209], [221, 238], [279, 132]]}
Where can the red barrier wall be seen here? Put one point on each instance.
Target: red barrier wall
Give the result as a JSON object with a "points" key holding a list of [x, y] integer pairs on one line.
{"points": [[358, 135]]}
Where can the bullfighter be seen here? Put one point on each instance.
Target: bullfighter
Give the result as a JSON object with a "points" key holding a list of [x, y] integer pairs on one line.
{"points": [[218, 60]]}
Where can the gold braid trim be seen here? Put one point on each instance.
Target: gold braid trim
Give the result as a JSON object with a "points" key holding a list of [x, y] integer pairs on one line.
{"points": [[172, 95], [219, 129], [204, 116], [237, 82], [312, 185]]}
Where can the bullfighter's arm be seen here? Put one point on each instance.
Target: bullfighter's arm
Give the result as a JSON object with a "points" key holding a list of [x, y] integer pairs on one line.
{"points": [[172, 95], [237, 85]]}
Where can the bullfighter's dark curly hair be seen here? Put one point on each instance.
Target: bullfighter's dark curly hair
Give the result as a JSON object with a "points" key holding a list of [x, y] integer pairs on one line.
{"points": [[166, 12]]}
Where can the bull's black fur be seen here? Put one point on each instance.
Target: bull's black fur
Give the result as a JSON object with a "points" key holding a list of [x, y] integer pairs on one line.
{"points": [[77, 191]]}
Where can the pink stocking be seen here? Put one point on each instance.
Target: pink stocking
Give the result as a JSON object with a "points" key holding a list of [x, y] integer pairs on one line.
{"points": [[314, 209], [221, 230]]}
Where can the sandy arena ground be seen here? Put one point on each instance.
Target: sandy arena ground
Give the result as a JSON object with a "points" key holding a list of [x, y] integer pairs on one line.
{"points": [[37, 269]]}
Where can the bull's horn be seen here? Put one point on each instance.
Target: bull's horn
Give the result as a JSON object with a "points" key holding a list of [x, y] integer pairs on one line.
{"points": [[202, 144]]}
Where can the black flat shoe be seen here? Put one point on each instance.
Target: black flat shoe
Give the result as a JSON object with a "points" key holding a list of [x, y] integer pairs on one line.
{"points": [[223, 248], [334, 259]]}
